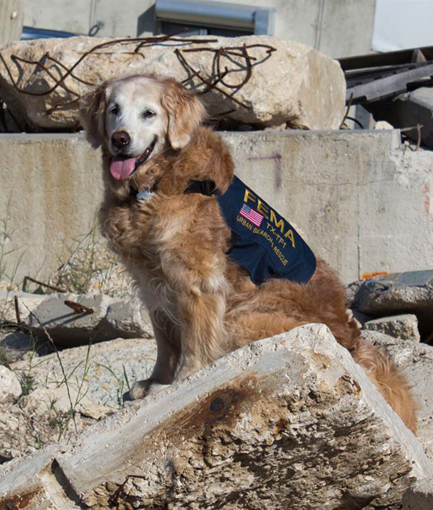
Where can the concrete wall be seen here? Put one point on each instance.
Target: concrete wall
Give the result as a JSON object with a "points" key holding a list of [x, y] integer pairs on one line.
{"points": [[363, 201], [11, 20], [339, 28]]}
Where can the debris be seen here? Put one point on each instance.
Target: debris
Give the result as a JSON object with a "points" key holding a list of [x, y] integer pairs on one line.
{"points": [[410, 109], [404, 326], [10, 387], [50, 408], [56, 395], [110, 368], [110, 318], [399, 293], [240, 430], [372, 78]]}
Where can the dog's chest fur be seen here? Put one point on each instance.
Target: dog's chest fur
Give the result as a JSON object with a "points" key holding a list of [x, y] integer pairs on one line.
{"points": [[162, 243]]}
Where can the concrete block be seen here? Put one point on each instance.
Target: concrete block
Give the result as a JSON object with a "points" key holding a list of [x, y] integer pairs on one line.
{"points": [[291, 421], [399, 293], [399, 326], [345, 190], [411, 109], [109, 318]]}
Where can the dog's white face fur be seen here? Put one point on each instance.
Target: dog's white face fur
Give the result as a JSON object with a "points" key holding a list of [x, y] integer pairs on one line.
{"points": [[134, 107], [135, 122]]}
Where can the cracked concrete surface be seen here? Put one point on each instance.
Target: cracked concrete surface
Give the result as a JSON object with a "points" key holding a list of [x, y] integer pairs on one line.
{"points": [[287, 422]]}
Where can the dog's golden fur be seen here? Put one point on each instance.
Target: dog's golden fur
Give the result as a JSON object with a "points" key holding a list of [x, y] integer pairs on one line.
{"points": [[201, 304]]}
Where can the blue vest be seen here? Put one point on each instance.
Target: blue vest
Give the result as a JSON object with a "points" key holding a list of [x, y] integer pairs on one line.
{"points": [[263, 242]]}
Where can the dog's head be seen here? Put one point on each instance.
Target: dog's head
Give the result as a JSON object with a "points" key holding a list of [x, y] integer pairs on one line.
{"points": [[135, 119]]}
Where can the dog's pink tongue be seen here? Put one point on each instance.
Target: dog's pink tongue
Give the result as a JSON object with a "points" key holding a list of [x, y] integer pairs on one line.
{"points": [[122, 168]]}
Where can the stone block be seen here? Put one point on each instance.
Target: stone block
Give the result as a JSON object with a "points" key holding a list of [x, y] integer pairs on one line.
{"points": [[103, 318], [399, 293], [399, 326], [294, 83], [290, 421]]}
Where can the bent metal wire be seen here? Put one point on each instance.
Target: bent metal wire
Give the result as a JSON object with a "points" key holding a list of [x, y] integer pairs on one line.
{"points": [[231, 61]]}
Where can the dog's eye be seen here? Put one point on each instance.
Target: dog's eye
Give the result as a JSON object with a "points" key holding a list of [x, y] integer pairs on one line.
{"points": [[148, 114], [114, 110]]}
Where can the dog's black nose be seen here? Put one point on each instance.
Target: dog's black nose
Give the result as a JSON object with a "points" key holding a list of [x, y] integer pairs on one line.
{"points": [[120, 139]]}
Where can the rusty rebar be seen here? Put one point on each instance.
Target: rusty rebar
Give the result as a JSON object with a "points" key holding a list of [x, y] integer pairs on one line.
{"points": [[216, 82]]}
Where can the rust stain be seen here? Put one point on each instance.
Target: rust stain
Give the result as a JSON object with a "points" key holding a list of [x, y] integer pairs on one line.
{"points": [[17, 502], [373, 274], [221, 405]]}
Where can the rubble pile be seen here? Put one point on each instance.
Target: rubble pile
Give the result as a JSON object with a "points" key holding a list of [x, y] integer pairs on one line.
{"points": [[291, 421], [395, 87], [234, 405]]}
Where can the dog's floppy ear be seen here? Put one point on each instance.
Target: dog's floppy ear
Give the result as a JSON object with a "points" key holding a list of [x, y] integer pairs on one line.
{"points": [[92, 109], [185, 113]]}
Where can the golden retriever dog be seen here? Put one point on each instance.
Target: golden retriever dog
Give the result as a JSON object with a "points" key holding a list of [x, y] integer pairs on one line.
{"points": [[174, 244]]}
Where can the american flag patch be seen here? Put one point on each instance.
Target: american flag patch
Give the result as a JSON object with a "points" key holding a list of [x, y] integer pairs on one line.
{"points": [[251, 215]]}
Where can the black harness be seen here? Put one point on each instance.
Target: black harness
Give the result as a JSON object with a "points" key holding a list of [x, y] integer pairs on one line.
{"points": [[262, 242]]}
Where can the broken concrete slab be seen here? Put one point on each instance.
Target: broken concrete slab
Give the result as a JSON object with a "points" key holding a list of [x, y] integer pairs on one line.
{"points": [[291, 420], [403, 326], [258, 67], [72, 320], [397, 293], [97, 378]]}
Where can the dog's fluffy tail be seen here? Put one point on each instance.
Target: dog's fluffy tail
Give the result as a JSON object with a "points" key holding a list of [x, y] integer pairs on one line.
{"points": [[389, 380]]}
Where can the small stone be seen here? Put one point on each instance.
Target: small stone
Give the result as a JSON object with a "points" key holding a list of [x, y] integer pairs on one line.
{"points": [[382, 124], [399, 326], [10, 387]]}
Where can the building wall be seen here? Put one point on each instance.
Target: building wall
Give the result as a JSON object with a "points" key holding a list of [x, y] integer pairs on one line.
{"points": [[339, 28], [11, 20]]}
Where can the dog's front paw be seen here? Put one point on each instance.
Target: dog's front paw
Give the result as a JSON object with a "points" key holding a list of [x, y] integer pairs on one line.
{"points": [[143, 388], [139, 390]]}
